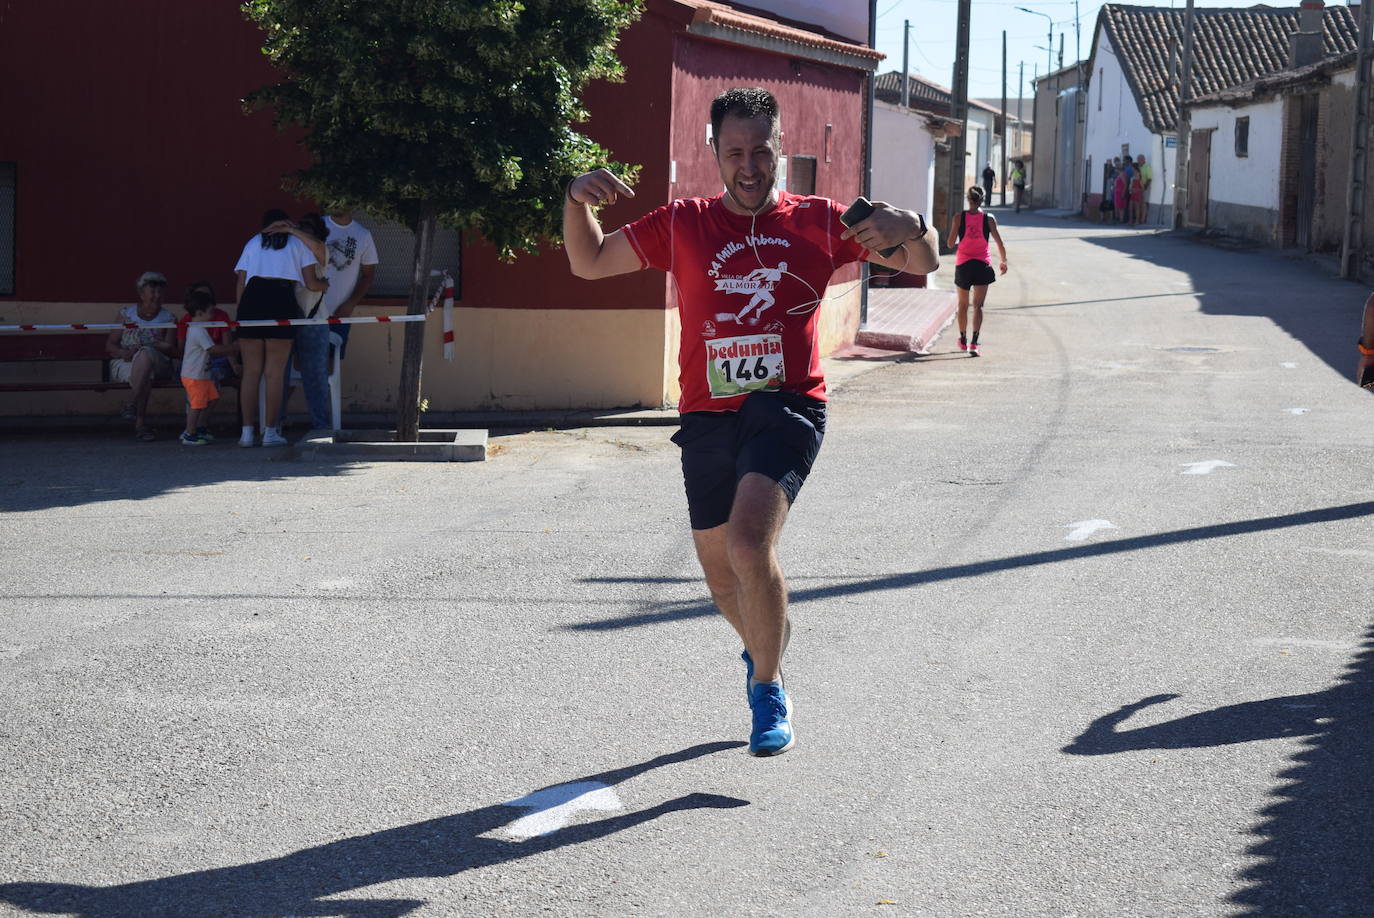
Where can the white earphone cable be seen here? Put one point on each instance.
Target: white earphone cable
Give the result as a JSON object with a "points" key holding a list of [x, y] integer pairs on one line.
{"points": [[813, 304]]}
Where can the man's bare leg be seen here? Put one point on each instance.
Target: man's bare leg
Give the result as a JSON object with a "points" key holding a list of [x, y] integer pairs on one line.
{"points": [[751, 539], [721, 579]]}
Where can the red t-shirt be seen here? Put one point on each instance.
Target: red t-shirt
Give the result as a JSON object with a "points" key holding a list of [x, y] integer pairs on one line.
{"points": [[216, 334], [748, 302]]}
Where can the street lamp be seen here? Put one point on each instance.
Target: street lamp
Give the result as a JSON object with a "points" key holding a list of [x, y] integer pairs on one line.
{"points": [[1049, 59]]}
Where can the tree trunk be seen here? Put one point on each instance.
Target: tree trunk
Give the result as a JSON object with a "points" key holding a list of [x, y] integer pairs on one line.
{"points": [[408, 411]]}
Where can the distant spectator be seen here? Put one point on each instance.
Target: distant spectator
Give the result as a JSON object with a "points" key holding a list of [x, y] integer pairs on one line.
{"points": [[311, 348], [1136, 191], [224, 367], [351, 266], [272, 263], [988, 178], [139, 356], [201, 348], [1147, 175], [1018, 183], [1364, 368], [1119, 195]]}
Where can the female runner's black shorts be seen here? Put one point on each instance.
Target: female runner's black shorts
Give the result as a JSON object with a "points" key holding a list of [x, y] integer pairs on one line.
{"points": [[974, 273], [776, 434], [269, 298]]}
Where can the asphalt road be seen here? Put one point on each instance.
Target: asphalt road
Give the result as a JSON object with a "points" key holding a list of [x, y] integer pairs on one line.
{"points": [[1082, 629]]}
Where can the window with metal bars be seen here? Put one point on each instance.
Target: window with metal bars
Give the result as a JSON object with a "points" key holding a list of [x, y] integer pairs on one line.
{"points": [[396, 254]]}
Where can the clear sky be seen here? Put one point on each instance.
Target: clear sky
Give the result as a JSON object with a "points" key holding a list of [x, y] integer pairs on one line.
{"points": [[933, 24]]}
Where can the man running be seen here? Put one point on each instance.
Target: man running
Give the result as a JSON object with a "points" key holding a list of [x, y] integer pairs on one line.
{"points": [[753, 398]]}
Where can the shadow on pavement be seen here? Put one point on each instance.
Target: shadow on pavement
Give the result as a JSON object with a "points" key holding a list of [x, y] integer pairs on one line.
{"points": [[659, 613], [40, 471], [1318, 309], [1315, 846], [297, 884]]}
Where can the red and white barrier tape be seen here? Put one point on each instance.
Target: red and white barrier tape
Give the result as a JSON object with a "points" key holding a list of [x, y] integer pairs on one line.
{"points": [[247, 323]]}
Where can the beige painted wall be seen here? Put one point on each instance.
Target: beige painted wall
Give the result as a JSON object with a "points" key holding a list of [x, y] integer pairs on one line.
{"points": [[506, 359]]}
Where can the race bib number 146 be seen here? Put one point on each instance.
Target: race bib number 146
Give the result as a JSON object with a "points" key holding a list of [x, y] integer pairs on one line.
{"points": [[750, 363]]}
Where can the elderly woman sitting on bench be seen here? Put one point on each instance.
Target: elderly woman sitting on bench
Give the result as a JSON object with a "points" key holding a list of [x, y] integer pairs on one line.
{"points": [[141, 355]]}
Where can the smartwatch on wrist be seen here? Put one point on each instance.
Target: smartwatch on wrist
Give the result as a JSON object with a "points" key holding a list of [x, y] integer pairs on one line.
{"points": [[924, 228]]}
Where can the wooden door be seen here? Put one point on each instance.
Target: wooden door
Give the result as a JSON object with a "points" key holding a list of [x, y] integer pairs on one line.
{"points": [[1307, 169], [1199, 176]]}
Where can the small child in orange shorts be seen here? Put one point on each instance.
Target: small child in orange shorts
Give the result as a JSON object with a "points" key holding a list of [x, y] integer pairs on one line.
{"points": [[195, 367]]}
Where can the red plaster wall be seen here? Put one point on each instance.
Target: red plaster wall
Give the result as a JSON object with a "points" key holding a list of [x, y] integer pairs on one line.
{"points": [[809, 97], [133, 151], [631, 119]]}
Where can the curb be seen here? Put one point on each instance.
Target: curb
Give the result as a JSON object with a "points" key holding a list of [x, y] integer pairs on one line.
{"points": [[919, 339]]}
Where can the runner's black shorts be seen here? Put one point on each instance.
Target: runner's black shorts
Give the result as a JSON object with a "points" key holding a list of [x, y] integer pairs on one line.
{"points": [[776, 434], [974, 273], [269, 298]]}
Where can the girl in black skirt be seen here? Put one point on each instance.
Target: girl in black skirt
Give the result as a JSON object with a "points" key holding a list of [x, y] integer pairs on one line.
{"points": [[273, 263]]}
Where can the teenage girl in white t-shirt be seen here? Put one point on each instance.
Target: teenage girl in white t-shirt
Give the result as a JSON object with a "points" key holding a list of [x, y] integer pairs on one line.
{"points": [[272, 264]]}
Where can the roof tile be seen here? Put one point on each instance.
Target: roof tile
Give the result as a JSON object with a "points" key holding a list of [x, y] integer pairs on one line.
{"points": [[1230, 47]]}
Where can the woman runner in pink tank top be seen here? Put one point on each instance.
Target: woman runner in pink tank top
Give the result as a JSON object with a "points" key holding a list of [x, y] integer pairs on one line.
{"points": [[971, 230]]}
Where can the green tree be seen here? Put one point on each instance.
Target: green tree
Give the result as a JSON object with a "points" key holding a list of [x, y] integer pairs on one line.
{"points": [[455, 111]]}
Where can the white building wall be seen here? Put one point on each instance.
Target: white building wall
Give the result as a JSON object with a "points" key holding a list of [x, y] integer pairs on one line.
{"points": [[1251, 180], [903, 159], [979, 148], [1114, 119]]}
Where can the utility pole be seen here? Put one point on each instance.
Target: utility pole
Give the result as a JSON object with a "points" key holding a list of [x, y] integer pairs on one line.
{"points": [[906, 66], [1049, 37], [1020, 94], [870, 103], [1077, 35], [1006, 125], [959, 143], [1352, 244], [1184, 123], [1061, 50]]}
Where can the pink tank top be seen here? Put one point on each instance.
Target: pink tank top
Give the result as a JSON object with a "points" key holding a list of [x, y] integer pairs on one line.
{"points": [[973, 245]]}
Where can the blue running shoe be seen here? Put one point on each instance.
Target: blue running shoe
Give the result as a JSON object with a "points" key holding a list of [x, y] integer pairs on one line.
{"points": [[772, 733]]}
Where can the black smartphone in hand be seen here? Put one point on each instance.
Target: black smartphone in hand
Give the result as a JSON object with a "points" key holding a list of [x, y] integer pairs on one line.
{"points": [[860, 211]]}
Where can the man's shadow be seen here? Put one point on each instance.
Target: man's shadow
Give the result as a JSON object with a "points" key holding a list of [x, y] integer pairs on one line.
{"points": [[296, 884], [1287, 715], [1312, 841]]}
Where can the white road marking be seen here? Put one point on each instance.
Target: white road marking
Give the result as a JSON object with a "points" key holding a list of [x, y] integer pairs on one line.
{"points": [[1084, 528], [1289, 366], [555, 807], [1206, 468], [1299, 410]]}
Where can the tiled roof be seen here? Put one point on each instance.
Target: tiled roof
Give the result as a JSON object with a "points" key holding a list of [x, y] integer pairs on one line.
{"points": [[1230, 47], [924, 94], [710, 12], [1271, 84]]}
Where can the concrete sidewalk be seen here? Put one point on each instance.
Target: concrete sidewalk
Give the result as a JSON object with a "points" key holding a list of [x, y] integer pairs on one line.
{"points": [[840, 367]]}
